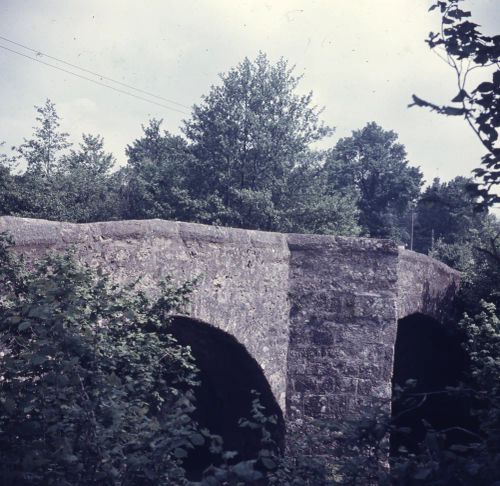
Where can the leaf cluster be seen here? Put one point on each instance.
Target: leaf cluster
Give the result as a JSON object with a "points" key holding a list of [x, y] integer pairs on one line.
{"points": [[94, 389], [374, 166], [464, 48]]}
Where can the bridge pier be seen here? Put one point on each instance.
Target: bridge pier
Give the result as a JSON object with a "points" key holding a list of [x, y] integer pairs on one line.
{"points": [[342, 325]]}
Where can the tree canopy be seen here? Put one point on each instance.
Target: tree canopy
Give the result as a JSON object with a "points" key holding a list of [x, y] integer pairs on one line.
{"points": [[42, 152], [446, 212], [59, 182], [154, 180], [249, 136], [374, 165]]}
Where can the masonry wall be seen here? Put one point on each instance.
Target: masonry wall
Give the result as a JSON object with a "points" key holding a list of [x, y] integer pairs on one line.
{"points": [[318, 313], [342, 325], [242, 275], [425, 286]]}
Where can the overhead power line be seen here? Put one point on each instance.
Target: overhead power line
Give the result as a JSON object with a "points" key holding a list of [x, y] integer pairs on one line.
{"points": [[40, 53], [95, 81]]}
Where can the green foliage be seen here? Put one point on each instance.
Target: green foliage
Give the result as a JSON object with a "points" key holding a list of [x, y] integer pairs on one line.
{"points": [[450, 228], [7, 190], [477, 257], [361, 455], [154, 180], [41, 153], [483, 346], [251, 138], [372, 164], [297, 468], [85, 186], [94, 390], [446, 212], [74, 185], [311, 206], [33, 193], [465, 48], [249, 130], [249, 161]]}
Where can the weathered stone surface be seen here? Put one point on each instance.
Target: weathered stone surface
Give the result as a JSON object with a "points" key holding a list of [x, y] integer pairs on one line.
{"points": [[242, 275], [342, 325], [318, 313], [425, 285]]}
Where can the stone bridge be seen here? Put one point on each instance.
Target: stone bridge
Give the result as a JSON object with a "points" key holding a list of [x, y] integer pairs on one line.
{"points": [[310, 320]]}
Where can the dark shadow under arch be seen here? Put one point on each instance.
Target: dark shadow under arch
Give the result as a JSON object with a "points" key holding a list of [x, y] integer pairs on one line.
{"points": [[431, 354], [228, 374]]}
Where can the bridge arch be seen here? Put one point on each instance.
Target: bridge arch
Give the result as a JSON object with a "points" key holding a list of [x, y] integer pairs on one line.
{"points": [[431, 355], [228, 374]]}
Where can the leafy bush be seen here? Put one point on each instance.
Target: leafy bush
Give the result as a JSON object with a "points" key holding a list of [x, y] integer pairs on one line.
{"points": [[94, 390]]}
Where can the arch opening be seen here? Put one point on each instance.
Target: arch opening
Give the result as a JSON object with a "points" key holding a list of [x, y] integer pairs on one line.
{"points": [[228, 374], [432, 355]]}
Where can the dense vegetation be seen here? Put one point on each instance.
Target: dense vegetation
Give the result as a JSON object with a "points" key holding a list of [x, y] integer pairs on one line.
{"points": [[82, 400]]}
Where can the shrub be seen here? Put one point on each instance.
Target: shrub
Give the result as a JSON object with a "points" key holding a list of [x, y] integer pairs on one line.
{"points": [[94, 390]]}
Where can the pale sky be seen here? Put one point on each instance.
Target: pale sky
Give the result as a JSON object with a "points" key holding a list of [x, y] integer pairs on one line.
{"points": [[363, 59]]}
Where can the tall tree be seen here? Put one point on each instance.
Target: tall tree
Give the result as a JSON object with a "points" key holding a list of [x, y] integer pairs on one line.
{"points": [[310, 206], [464, 48], [75, 185], [36, 189], [85, 185], [446, 212], [153, 181], [247, 136], [43, 150], [372, 163]]}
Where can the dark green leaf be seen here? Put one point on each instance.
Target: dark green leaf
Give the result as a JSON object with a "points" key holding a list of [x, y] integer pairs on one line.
{"points": [[460, 96], [484, 87], [24, 325], [180, 453], [197, 439], [38, 359]]}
